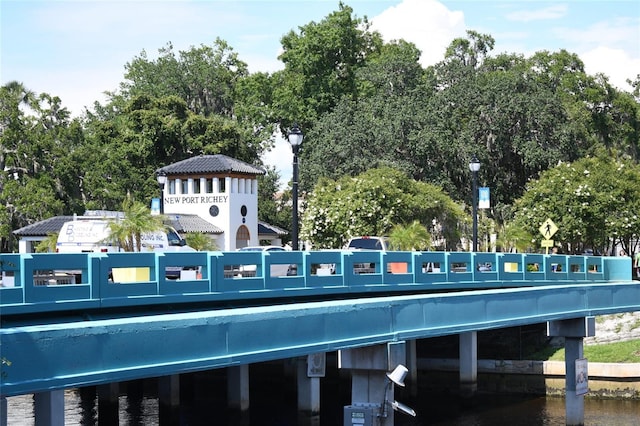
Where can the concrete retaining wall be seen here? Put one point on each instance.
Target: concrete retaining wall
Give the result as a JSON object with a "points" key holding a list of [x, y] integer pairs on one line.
{"points": [[534, 377]]}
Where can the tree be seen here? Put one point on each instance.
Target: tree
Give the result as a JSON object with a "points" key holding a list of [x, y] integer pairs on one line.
{"points": [[593, 201], [36, 136], [378, 129], [127, 232], [414, 236], [321, 62], [372, 204], [204, 77], [200, 242]]}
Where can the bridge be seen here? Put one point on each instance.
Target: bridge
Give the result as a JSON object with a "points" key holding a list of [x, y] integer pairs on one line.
{"points": [[229, 309]]}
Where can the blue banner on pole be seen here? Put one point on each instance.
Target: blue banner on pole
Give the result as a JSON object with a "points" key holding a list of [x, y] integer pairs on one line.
{"points": [[483, 198], [155, 206]]}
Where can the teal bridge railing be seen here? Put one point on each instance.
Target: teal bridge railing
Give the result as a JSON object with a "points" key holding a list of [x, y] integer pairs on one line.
{"points": [[70, 320], [37, 283]]}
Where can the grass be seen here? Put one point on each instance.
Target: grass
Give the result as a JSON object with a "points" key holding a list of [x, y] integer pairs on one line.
{"points": [[628, 351]]}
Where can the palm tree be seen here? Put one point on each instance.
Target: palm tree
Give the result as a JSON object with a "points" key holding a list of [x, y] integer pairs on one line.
{"points": [[200, 242], [414, 236], [48, 245], [127, 232]]}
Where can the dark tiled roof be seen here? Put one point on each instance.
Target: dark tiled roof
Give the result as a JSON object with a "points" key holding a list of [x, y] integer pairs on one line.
{"points": [[265, 229], [44, 227], [192, 223], [211, 164]]}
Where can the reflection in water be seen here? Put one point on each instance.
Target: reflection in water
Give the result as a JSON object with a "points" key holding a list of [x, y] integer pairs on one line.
{"points": [[204, 404]]}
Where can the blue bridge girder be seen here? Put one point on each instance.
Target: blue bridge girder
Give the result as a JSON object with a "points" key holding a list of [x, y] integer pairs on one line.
{"points": [[53, 352]]}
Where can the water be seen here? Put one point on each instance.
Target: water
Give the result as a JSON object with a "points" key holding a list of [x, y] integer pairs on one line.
{"points": [[273, 403]]}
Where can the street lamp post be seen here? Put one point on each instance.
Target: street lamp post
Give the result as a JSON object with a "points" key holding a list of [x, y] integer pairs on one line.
{"points": [[295, 137], [161, 177], [474, 166]]}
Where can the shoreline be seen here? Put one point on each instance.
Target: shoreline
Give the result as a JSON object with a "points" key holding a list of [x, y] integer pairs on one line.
{"points": [[606, 380]]}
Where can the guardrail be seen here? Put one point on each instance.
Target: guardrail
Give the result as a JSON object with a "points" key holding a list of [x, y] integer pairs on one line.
{"points": [[33, 283]]}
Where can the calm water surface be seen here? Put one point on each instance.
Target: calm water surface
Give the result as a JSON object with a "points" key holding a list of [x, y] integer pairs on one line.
{"points": [[432, 410]]}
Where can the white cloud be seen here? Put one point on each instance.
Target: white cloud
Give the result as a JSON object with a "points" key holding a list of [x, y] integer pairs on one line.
{"points": [[280, 157], [426, 23], [615, 63], [552, 12]]}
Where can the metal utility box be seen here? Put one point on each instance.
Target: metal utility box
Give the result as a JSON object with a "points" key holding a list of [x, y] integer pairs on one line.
{"points": [[361, 415]]}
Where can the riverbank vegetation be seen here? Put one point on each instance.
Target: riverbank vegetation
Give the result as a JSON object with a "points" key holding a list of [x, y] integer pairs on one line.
{"points": [[614, 352]]}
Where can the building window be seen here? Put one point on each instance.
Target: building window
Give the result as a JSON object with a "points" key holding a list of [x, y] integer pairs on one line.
{"points": [[222, 185], [209, 183], [172, 186], [196, 186], [185, 186]]}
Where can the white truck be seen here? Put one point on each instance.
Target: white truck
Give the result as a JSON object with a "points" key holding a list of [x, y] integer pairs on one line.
{"points": [[366, 243]]}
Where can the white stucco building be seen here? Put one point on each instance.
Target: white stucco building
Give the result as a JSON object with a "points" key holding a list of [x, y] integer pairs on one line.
{"points": [[219, 189]]}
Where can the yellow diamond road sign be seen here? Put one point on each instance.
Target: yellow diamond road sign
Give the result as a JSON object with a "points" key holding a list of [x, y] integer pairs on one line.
{"points": [[548, 229]]}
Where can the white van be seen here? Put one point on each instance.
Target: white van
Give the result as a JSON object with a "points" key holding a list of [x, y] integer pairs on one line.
{"points": [[92, 235]]}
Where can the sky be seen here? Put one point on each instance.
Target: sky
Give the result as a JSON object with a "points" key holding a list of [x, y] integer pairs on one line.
{"points": [[77, 49]]}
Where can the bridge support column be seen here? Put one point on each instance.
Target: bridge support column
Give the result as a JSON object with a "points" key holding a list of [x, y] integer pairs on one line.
{"points": [[468, 363], [169, 396], [49, 408], [309, 371], [238, 388], [412, 365], [371, 389], [108, 413], [3, 411], [574, 331]]}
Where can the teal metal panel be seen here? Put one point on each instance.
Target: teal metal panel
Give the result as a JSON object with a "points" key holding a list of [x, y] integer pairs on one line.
{"points": [[398, 267], [556, 267], [12, 288], [511, 267], [364, 257], [198, 260], [485, 267], [127, 293], [576, 268], [459, 266], [431, 267], [332, 262], [59, 285], [595, 268], [533, 266], [280, 260], [244, 276], [617, 268]]}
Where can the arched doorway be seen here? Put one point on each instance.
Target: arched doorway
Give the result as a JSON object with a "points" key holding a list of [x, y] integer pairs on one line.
{"points": [[242, 237]]}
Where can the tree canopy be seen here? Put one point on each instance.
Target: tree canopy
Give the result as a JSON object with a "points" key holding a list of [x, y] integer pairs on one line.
{"points": [[593, 201], [372, 204]]}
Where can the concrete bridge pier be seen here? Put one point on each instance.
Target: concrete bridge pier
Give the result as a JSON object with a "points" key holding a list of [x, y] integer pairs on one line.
{"points": [[468, 352], [371, 389], [48, 408], [108, 412], [3, 411], [574, 331], [412, 365], [309, 371], [238, 388], [169, 399]]}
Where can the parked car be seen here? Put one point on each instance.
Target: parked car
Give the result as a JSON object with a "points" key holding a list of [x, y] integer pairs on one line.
{"points": [[366, 243], [277, 270]]}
